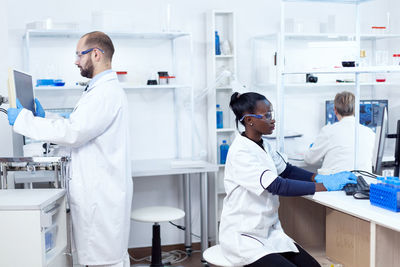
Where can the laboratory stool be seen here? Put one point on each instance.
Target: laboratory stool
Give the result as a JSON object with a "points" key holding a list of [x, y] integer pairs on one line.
{"points": [[214, 256], [157, 214]]}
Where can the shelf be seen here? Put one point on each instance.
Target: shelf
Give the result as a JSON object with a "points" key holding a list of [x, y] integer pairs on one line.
{"points": [[224, 56], [377, 69], [331, 1], [224, 88], [226, 130], [308, 85], [327, 36], [125, 86], [116, 34], [221, 165]]}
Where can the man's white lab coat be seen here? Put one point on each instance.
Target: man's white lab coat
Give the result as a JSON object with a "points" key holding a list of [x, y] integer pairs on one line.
{"points": [[101, 187]]}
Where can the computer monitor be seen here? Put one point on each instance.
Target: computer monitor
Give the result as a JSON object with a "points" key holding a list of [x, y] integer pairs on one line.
{"points": [[380, 136], [20, 86], [370, 112]]}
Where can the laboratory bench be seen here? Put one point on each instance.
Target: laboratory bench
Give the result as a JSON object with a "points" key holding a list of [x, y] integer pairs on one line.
{"points": [[33, 228], [187, 170], [347, 230]]}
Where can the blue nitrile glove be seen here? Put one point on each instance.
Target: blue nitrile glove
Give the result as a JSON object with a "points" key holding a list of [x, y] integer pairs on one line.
{"points": [[39, 111], [64, 115], [336, 181], [311, 145], [13, 113]]}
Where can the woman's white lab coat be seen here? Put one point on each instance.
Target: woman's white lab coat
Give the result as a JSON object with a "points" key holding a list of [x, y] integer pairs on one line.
{"points": [[250, 227], [101, 187], [335, 146]]}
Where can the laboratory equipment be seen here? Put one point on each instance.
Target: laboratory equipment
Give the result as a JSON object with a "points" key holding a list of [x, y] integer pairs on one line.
{"points": [[370, 112], [34, 228], [220, 118], [224, 147], [226, 48], [396, 60], [20, 86], [29, 171], [217, 44], [381, 133]]}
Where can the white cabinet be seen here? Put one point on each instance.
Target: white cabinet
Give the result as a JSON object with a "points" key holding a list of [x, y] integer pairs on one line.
{"points": [[33, 228], [221, 71]]}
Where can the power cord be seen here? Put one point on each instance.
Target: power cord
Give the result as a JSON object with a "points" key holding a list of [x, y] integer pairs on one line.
{"points": [[365, 173], [183, 228]]}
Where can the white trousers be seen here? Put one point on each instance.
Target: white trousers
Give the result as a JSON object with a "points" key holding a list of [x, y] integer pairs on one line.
{"points": [[124, 263]]}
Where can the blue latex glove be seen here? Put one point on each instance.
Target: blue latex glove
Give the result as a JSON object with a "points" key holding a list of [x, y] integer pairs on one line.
{"points": [[13, 113], [64, 114], [311, 145], [336, 181], [39, 111]]}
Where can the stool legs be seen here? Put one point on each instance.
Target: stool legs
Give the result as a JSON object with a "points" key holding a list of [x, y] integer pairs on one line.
{"points": [[156, 247]]}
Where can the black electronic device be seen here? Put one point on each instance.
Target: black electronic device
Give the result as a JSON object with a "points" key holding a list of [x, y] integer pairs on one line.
{"points": [[380, 137], [360, 190], [311, 78], [348, 64]]}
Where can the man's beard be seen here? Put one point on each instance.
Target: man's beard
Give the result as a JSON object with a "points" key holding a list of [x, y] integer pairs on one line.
{"points": [[88, 70]]}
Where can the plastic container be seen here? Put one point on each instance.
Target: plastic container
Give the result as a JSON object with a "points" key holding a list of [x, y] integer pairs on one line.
{"points": [[50, 237], [122, 76], [396, 59], [386, 195], [220, 118], [380, 77], [378, 30], [217, 44], [224, 147]]}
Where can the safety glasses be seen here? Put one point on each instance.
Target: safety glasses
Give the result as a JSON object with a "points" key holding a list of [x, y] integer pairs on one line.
{"points": [[80, 54], [269, 116]]}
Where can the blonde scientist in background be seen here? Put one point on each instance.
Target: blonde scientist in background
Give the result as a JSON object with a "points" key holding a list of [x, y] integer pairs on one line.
{"points": [[97, 132], [334, 145]]}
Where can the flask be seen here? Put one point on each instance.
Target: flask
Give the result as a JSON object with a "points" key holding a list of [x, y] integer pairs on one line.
{"points": [[220, 122], [217, 45], [224, 147]]}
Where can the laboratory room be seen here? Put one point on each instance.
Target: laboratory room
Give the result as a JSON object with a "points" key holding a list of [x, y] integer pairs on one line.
{"points": [[200, 133]]}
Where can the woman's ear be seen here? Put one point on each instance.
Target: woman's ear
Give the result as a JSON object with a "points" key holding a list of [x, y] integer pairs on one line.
{"points": [[248, 120]]}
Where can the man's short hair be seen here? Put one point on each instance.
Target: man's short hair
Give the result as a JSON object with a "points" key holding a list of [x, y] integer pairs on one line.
{"points": [[344, 103], [100, 40]]}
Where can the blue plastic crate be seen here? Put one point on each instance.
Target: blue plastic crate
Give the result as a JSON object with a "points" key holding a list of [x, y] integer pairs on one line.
{"points": [[385, 196]]}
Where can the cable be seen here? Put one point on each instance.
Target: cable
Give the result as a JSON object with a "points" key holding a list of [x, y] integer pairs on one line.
{"points": [[3, 110], [183, 228], [168, 258], [365, 173]]}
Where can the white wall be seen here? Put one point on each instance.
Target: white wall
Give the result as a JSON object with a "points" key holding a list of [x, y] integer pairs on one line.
{"points": [[152, 115]]}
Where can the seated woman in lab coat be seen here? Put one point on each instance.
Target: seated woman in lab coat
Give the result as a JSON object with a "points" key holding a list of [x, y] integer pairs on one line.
{"points": [[335, 143], [255, 177]]}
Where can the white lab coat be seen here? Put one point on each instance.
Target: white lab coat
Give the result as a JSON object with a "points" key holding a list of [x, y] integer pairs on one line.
{"points": [[335, 146], [250, 227], [101, 187]]}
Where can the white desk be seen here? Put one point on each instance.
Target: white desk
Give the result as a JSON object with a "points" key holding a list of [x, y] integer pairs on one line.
{"points": [[309, 223], [143, 168]]}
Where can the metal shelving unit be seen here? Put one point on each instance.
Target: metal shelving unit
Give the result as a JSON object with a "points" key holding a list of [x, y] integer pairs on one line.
{"points": [[170, 37], [220, 92]]}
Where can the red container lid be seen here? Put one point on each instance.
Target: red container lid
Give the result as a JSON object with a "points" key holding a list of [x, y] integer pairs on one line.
{"points": [[378, 27], [122, 72], [396, 55]]}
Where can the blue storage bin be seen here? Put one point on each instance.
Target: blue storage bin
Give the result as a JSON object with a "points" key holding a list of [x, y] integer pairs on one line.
{"points": [[385, 196]]}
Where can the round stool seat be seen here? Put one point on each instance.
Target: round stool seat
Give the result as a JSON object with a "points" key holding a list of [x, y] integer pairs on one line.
{"points": [[157, 214], [214, 256]]}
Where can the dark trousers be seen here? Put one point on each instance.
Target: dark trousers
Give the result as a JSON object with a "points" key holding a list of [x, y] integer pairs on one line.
{"points": [[287, 259]]}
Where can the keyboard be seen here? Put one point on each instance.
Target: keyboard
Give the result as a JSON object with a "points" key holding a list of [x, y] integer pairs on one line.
{"points": [[361, 187]]}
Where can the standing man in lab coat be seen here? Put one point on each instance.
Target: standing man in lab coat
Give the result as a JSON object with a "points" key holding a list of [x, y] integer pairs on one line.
{"points": [[335, 143], [97, 132]]}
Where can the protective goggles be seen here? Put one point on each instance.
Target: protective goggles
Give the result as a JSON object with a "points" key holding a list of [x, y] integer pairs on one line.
{"points": [[269, 116]]}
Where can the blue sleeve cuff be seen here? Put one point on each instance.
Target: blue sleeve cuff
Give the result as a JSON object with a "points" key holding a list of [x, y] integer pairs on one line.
{"points": [[296, 173], [287, 187]]}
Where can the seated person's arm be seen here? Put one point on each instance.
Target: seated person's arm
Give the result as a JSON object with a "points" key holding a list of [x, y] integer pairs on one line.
{"points": [[319, 148], [287, 187], [296, 173]]}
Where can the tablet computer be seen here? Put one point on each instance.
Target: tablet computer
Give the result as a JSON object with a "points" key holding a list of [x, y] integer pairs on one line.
{"points": [[20, 86]]}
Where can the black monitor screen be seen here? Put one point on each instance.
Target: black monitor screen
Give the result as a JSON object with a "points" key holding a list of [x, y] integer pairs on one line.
{"points": [[370, 112], [24, 90]]}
